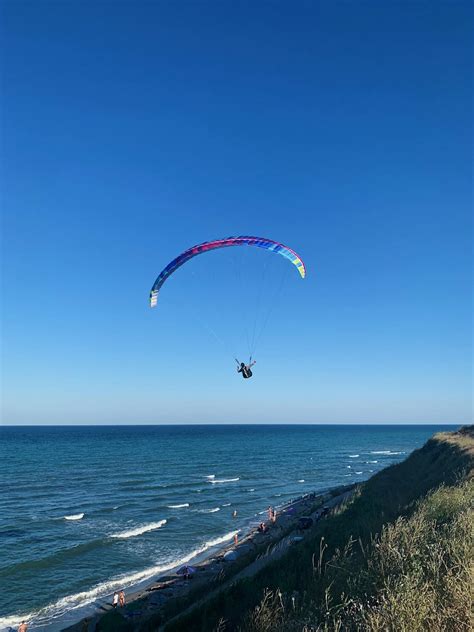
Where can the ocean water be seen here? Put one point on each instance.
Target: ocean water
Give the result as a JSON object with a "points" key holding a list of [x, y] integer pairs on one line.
{"points": [[85, 511]]}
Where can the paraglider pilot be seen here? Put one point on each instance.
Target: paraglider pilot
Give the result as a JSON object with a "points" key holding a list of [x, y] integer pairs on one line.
{"points": [[245, 369]]}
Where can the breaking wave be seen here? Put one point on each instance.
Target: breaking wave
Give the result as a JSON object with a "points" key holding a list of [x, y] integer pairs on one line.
{"points": [[78, 516], [139, 530], [224, 480]]}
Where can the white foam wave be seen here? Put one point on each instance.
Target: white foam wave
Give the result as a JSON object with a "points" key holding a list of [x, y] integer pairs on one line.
{"points": [[358, 472], [385, 452], [353, 456], [78, 516], [139, 530], [226, 504], [81, 599], [252, 489], [301, 480], [209, 510], [178, 506], [371, 461], [224, 480], [211, 476], [348, 467]]}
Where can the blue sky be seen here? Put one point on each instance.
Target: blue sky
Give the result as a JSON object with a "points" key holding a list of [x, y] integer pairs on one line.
{"points": [[132, 131]]}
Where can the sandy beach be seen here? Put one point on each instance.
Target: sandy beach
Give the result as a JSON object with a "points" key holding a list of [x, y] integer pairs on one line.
{"points": [[172, 595]]}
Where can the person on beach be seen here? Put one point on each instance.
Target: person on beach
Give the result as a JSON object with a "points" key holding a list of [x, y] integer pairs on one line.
{"points": [[115, 599], [23, 627], [236, 539], [245, 369], [121, 599], [270, 513], [234, 513], [274, 516]]}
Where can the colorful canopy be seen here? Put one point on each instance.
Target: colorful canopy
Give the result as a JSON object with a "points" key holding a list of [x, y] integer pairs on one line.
{"points": [[260, 242]]}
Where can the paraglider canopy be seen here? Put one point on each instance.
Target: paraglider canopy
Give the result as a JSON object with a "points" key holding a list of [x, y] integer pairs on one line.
{"points": [[259, 242]]}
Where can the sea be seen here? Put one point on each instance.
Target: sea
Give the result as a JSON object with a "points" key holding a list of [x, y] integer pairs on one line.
{"points": [[87, 510]]}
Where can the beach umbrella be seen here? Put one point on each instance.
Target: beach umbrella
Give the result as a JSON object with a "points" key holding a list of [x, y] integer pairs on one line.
{"points": [[186, 570]]}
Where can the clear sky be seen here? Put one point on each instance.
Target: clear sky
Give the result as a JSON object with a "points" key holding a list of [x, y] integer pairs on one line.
{"points": [[134, 130]]}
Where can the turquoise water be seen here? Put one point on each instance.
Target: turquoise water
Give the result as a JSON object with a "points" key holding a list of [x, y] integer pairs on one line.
{"points": [[85, 511]]}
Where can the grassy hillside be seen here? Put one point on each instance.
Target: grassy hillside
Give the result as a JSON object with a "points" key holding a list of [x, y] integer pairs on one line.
{"points": [[397, 556]]}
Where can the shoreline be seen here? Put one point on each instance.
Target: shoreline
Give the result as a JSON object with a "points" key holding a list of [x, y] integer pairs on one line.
{"points": [[226, 563]]}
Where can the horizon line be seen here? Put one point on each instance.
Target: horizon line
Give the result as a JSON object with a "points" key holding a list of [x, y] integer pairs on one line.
{"points": [[173, 425]]}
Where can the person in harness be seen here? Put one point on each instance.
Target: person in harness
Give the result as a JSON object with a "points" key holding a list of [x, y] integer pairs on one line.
{"points": [[245, 369]]}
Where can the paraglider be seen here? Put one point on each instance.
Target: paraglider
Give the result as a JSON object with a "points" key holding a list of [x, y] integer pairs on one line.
{"points": [[259, 242], [245, 369]]}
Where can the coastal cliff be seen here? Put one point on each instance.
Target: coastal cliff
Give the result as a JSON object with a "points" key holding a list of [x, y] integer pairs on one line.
{"points": [[394, 553]]}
